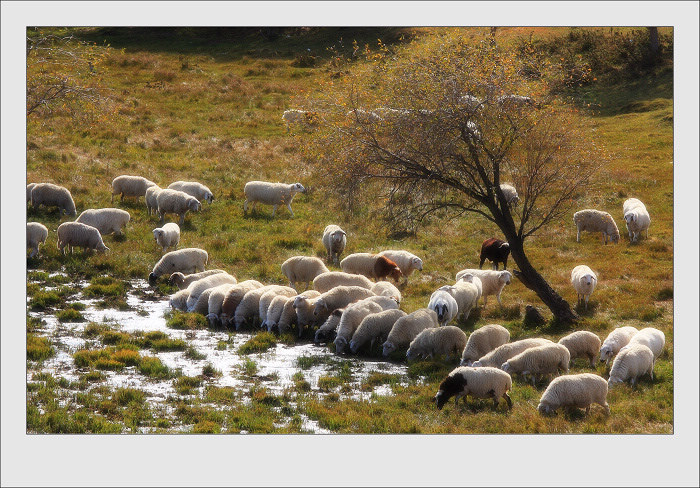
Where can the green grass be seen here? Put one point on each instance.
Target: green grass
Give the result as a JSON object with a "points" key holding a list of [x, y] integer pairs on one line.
{"points": [[39, 348], [186, 321], [260, 342]]}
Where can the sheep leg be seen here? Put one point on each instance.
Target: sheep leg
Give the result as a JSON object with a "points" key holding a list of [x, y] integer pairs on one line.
{"points": [[245, 206], [588, 409], [578, 235], [274, 209], [182, 219], [122, 195], [607, 408], [498, 297], [289, 206]]}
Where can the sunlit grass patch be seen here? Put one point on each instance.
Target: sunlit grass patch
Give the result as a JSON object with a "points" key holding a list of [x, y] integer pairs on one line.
{"points": [[39, 348], [185, 321], [69, 315], [260, 342], [105, 286], [153, 368]]}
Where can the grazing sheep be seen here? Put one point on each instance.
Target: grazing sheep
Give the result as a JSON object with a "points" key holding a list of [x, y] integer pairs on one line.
{"points": [[470, 101], [176, 202], [592, 220], [36, 235], [616, 340], [249, 307], [653, 338], [631, 363], [327, 281], [334, 240], [51, 195], [302, 118], [363, 116], [106, 220], [178, 300], [338, 297], [407, 328], [506, 351], [302, 269], [234, 297], [406, 262], [374, 327], [350, 320], [188, 260], [496, 251], [636, 217], [151, 198], [466, 295], [267, 297], [130, 186], [76, 234], [387, 303], [372, 266], [582, 343], [194, 188], [584, 281], [168, 235], [482, 341], [216, 300], [274, 311], [387, 289], [574, 390], [274, 194], [464, 381], [436, 342], [510, 194], [445, 306], [181, 281], [201, 304], [197, 287], [515, 100], [492, 282], [326, 333], [301, 315], [539, 361], [30, 187]]}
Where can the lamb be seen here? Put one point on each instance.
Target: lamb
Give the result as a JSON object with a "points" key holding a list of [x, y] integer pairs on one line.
{"points": [[296, 311], [407, 328], [636, 217], [574, 390], [374, 327], [194, 188], [151, 198], [582, 343], [106, 220], [326, 332], [273, 194], [653, 338], [334, 240], [338, 297], [249, 306], [168, 235], [406, 262], [176, 202], [503, 353], [327, 281], [616, 340], [188, 260], [77, 234], [445, 306], [181, 281], [216, 300], [496, 251], [539, 361], [631, 363], [372, 266], [592, 220], [197, 287], [178, 300], [476, 382], [466, 295], [584, 281], [36, 235], [234, 297], [350, 320], [482, 341], [492, 282], [130, 186], [302, 269], [267, 297], [387, 289], [437, 341], [51, 195], [302, 118], [510, 194], [30, 187]]}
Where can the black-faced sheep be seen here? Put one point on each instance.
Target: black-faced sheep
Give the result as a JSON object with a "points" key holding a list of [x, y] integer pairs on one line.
{"points": [[464, 381]]}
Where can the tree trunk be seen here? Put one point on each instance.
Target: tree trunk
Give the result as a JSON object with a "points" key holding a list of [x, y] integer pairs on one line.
{"points": [[654, 40]]}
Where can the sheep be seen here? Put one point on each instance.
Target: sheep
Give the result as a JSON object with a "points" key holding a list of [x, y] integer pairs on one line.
{"points": [[297, 311], [445, 306], [372, 266], [151, 198], [197, 287], [636, 218], [199, 191], [584, 280], [201, 304], [363, 116], [275, 310], [438, 341], [178, 300], [77, 234], [130, 186], [653, 338], [470, 101], [302, 269], [248, 308], [539, 361], [574, 390], [466, 295], [30, 187], [216, 300], [338, 297], [350, 320], [188, 260], [406, 262], [387, 303], [407, 328], [181, 281], [470, 278], [515, 100], [631, 363], [582, 343], [326, 332], [510, 194], [387, 289], [267, 297], [176, 202], [106, 220], [616, 340], [51, 195], [492, 282], [36, 235], [476, 382], [334, 240], [496, 251], [592, 220], [234, 297], [168, 235], [504, 352], [327, 281], [482, 341], [302, 118], [273, 194], [374, 327]]}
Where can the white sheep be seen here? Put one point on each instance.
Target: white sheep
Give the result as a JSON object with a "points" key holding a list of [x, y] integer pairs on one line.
{"points": [[199, 191], [106, 220], [506, 351], [76, 234], [437, 341], [582, 343], [372, 266], [653, 338], [334, 239], [616, 340], [275, 310], [168, 235], [387, 289], [464, 381], [466, 295], [407, 328], [274, 194], [327, 281], [51, 195], [197, 287], [539, 361], [631, 363], [326, 332], [338, 297], [30, 187], [592, 220], [267, 297], [406, 261], [36, 235], [492, 282], [151, 198], [234, 297], [374, 327], [201, 304], [178, 300], [350, 321], [445, 306], [248, 308], [387, 303], [363, 116], [584, 281], [510, 194], [482, 341], [130, 186], [515, 100], [302, 118], [636, 217], [183, 281], [574, 390], [176, 202], [188, 260], [302, 269], [216, 300], [296, 311]]}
